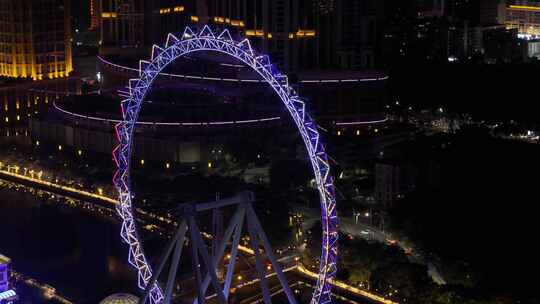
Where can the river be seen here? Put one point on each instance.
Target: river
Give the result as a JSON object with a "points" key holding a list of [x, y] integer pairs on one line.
{"points": [[76, 251]]}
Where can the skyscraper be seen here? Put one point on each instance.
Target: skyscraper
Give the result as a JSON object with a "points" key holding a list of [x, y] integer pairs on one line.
{"points": [[35, 39], [492, 12], [306, 34], [94, 14], [134, 25]]}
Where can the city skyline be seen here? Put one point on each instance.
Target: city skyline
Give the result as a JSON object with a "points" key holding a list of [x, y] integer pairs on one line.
{"points": [[268, 151]]}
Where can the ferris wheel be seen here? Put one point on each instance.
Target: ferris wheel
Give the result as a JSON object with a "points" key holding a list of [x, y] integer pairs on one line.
{"points": [[207, 40]]}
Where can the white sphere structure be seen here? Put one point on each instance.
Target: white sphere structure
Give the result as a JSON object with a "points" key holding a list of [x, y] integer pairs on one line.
{"points": [[120, 298]]}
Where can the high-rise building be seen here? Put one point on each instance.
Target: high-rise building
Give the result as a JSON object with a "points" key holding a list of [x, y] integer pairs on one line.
{"points": [[392, 180], [94, 14], [122, 24], [306, 34], [525, 17], [298, 35], [35, 39], [492, 12], [134, 25], [431, 8]]}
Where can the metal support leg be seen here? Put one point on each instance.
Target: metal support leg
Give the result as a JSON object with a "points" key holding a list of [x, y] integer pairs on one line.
{"points": [[270, 254], [195, 263], [174, 269], [235, 226], [180, 233], [232, 261], [210, 267], [258, 260]]}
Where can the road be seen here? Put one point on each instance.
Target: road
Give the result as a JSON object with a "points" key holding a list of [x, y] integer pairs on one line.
{"points": [[349, 226]]}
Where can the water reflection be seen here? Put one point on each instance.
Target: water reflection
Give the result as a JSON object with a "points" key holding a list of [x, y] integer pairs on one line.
{"points": [[77, 252]]}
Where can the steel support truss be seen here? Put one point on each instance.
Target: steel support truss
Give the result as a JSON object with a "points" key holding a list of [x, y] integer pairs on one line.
{"points": [[244, 214], [206, 40]]}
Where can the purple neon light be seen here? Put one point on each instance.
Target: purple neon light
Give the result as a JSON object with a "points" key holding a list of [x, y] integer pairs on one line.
{"points": [[103, 60], [357, 123], [209, 123], [206, 40]]}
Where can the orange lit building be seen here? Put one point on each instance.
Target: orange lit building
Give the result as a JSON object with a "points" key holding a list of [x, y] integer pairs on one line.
{"points": [[525, 16], [35, 39]]}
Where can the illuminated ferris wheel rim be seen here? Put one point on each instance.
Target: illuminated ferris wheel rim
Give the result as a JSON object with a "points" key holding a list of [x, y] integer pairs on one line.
{"points": [[206, 40]]}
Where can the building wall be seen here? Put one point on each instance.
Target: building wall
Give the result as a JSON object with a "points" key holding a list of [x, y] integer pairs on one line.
{"points": [[35, 39], [77, 137]]}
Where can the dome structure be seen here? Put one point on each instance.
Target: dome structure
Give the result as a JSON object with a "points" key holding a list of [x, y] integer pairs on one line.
{"points": [[120, 298]]}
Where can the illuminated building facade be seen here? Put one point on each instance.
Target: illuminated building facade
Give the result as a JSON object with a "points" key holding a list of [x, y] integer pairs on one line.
{"points": [[35, 39], [525, 17]]}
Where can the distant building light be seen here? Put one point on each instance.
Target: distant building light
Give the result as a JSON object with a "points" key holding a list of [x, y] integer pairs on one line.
{"points": [[178, 9], [238, 23], [255, 33], [164, 11], [109, 15], [525, 7], [305, 33], [195, 18], [452, 59]]}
